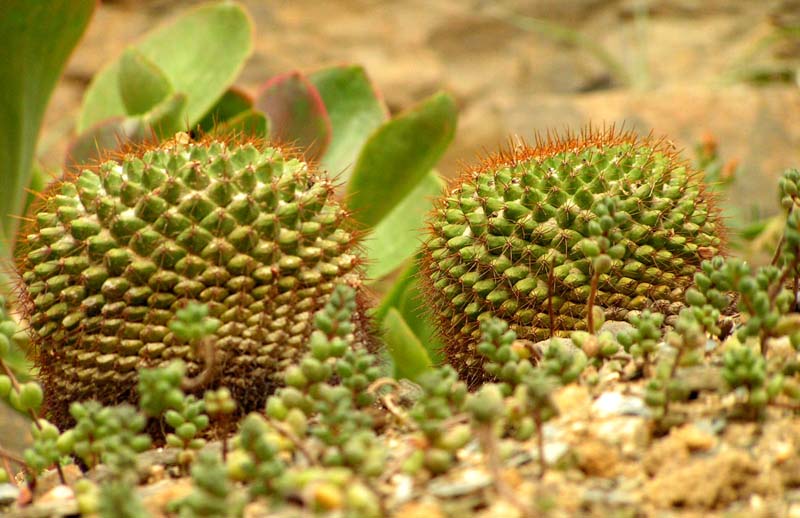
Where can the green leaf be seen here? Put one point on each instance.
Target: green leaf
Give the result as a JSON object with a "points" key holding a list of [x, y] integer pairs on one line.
{"points": [[95, 143], [408, 355], [38, 37], [296, 113], [406, 297], [200, 53], [141, 84], [396, 237], [355, 111], [233, 102], [167, 117], [397, 156], [164, 120], [249, 123]]}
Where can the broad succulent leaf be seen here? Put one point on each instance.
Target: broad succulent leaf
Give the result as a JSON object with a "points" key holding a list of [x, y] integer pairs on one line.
{"points": [[398, 155], [142, 85], [395, 238], [38, 38], [409, 357], [297, 114], [232, 103], [219, 32], [355, 111]]}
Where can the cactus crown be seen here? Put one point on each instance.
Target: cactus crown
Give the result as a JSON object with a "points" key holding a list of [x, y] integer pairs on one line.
{"points": [[114, 251], [508, 238]]}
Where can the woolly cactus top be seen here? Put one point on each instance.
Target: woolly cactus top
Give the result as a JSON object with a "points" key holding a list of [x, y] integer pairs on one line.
{"points": [[114, 251], [506, 240]]}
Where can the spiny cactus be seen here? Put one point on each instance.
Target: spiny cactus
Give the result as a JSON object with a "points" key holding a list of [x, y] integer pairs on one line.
{"points": [[115, 251], [510, 239]]}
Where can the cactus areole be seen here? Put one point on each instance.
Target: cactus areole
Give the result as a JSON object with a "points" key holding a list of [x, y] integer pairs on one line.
{"points": [[115, 250], [505, 240]]}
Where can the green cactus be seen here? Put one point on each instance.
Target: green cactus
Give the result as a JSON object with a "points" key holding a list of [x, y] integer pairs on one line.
{"points": [[114, 253], [510, 239]]}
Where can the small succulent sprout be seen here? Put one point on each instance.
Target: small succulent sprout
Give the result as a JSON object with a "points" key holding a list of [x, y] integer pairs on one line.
{"points": [[87, 495], [44, 452], [187, 422], [486, 405], [108, 434], [745, 369], [642, 341], [211, 491], [119, 499], [159, 389], [192, 323], [256, 460], [219, 403], [563, 363], [87, 439], [443, 395]]}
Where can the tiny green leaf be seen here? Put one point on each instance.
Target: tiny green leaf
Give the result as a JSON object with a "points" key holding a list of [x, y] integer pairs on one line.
{"points": [[398, 155]]}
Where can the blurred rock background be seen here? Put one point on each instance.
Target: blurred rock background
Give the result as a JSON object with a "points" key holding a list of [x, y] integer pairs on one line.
{"points": [[687, 69], [693, 70]]}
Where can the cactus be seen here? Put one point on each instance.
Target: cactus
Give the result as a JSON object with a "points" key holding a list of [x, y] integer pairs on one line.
{"points": [[511, 238], [115, 251]]}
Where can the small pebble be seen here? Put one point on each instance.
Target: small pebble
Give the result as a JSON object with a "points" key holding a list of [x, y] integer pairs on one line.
{"points": [[157, 472], [783, 452], [613, 403], [694, 438], [57, 494], [8, 494]]}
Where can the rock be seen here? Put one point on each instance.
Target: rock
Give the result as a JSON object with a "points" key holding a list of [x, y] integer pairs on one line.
{"points": [[614, 327], [573, 401], [630, 433], [461, 483], [694, 438], [59, 493], [597, 458], [708, 482], [664, 453], [424, 508], [156, 496], [8, 494], [614, 403], [784, 451]]}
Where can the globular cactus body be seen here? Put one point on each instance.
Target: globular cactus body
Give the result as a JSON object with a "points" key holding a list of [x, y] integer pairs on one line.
{"points": [[114, 251], [507, 239]]}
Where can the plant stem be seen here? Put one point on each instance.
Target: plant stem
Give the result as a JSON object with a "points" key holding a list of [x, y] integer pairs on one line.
{"points": [[537, 418], [550, 287], [208, 354], [590, 302], [489, 444]]}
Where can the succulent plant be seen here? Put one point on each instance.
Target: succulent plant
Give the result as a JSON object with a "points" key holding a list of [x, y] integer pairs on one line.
{"points": [[115, 251], [511, 239]]}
